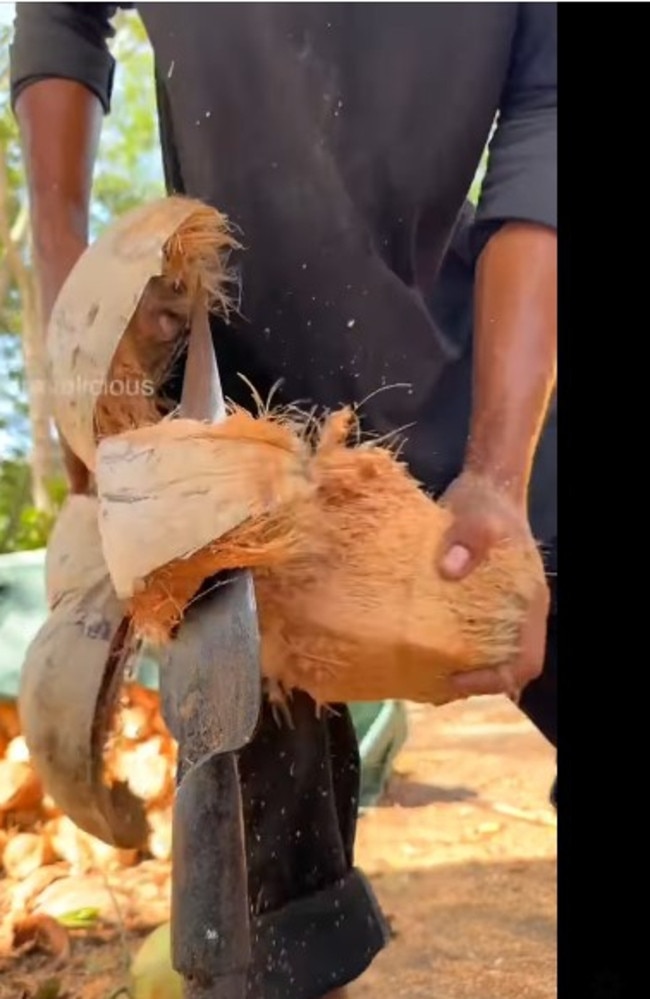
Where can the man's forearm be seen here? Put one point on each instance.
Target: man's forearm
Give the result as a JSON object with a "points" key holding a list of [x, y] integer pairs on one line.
{"points": [[515, 354], [60, 122]]}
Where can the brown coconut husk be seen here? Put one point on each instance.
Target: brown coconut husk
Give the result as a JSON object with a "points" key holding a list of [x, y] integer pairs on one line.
{"points": [[122, 317], [356, 610]]}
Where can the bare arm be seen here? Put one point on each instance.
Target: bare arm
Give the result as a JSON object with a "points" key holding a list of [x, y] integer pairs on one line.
{"points": [[515, 354], [515, 334], [60, 122], [515, 319], [61, 76]]}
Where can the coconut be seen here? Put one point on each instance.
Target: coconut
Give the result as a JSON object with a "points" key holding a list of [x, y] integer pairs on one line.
{"points": [[342, 541], [355, 608]]}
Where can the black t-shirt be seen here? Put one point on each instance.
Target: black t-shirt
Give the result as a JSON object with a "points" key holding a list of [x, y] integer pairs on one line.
{"points": [[342, 140]]}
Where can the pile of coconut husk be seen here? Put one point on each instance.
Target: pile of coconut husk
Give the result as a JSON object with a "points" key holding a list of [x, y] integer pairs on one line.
{"points": [[57, 882], [34, 833]]}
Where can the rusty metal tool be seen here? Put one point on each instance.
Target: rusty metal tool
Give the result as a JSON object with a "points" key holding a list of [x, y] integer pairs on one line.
{"points": [[210, 679]]}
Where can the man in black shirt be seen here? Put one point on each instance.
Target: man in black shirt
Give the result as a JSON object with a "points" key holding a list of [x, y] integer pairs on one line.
{"points": [[342, 139]]}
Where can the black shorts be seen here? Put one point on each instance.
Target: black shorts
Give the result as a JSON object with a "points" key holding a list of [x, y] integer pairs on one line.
{"points": [[315, 922]]}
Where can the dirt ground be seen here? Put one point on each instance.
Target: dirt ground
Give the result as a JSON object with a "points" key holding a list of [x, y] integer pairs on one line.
{"points": [[461, 852]]}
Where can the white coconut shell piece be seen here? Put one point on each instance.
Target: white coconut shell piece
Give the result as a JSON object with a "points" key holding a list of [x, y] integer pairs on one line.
{"points": [[74, 559], [169, 490], [96, 305], [146, 769], [17, 751], [25, 853], [20, 788], [160, 838]]}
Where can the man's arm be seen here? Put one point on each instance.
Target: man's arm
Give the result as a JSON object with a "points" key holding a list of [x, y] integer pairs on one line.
{"points": [[515, 355], [61, 78], [515, 332], [60, 122], [516, 290]]}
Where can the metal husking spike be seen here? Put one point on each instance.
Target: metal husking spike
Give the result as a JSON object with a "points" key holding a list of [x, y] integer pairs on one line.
{"points": [[210, 681]]}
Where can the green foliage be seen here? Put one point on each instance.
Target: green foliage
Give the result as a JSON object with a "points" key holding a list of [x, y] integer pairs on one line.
{"points": [[475, 189], [22, 526], [80, 919]]}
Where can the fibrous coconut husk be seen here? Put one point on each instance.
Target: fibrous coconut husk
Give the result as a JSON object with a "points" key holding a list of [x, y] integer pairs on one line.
{"points": [[355, 609], [36, 836], [25, 853], [41, 932], [20, 788], [9, 722], [122, 315]]}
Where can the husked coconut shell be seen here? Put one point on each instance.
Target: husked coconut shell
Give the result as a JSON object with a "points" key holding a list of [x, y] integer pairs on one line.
{"points": [[69, 686]]}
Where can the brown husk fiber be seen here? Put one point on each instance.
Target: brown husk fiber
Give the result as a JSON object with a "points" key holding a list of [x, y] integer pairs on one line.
{"points": [[353, 608]]}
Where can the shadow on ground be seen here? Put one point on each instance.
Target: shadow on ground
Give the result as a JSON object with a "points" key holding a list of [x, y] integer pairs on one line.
{"points": [[413, 794]]}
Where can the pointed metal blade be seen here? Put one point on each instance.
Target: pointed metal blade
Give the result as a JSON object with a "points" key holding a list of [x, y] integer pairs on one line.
{"points": [[202, 396]]}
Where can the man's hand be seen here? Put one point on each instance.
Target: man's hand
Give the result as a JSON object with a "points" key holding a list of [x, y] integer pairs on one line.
{"points": [[515, 355], [485, 517]]}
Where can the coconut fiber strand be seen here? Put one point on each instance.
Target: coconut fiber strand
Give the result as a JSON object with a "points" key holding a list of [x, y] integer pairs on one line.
{"points": [[351, 606]]}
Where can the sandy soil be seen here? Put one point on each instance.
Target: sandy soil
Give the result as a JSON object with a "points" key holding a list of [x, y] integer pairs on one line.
{"points": [[461, 853]]}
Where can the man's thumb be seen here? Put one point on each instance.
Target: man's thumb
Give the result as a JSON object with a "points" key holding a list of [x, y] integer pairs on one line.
{"points": [[456, 562]]}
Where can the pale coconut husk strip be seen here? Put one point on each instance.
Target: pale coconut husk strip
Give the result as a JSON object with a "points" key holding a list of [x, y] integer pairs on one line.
{"points": [[168, 492], [98, 337], [73, 559], [354, 608]]}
